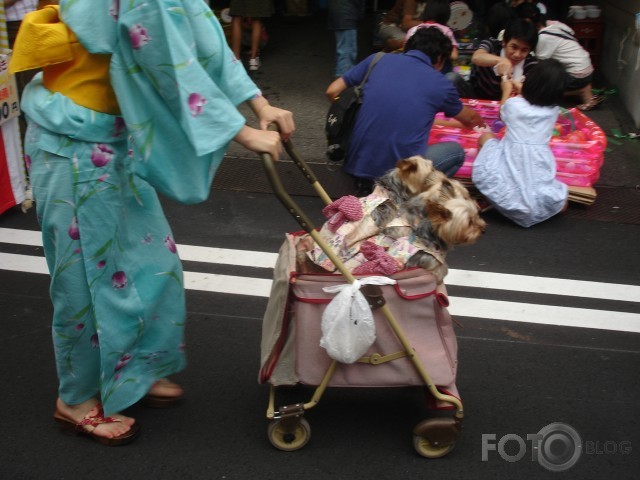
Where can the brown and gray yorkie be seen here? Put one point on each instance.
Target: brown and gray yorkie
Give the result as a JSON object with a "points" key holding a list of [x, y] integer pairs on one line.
{"points": [[439, 208], [423, 208]]}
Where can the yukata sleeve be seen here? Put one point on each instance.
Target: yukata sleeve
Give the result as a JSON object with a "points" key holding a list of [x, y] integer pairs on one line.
{"points": [[177, 86], [181, 54], [218, 60]]}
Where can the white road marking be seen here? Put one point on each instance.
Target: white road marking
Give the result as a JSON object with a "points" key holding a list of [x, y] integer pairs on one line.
{"points": [[465, 278], [460, 306]]}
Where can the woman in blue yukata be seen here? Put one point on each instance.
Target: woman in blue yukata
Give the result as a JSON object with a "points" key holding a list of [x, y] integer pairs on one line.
{"points": [[135, 97]]}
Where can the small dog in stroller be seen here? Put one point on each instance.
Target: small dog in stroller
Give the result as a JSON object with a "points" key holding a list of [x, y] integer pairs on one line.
{"points": [[414, 215]]}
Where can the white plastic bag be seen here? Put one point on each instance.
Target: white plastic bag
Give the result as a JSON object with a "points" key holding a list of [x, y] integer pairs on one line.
{"points": [[348, 329]]}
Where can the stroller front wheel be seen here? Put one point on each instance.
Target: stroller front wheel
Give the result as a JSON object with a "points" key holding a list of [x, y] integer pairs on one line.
{"points": [[288, 438]]}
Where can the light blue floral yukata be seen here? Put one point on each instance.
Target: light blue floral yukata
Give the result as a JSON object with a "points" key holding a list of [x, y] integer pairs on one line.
{"points": [[116, 279]]}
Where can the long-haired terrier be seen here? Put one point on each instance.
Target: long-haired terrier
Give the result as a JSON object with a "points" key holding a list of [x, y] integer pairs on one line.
{"points": [[442, 212], [410, 177], [413, 208]]}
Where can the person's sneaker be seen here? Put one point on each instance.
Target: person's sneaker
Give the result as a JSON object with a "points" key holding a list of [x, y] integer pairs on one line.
{"points": [[254, 64]]}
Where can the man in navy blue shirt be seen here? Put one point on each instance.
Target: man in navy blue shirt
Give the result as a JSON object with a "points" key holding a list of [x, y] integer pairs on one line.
{"points": [[402, 96]]}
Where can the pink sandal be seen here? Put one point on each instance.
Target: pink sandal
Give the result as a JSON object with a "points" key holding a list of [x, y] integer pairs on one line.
{"points": [[89, 423]]}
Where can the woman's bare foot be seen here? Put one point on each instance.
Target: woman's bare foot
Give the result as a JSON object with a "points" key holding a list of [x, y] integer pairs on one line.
{"points": [[166, 388], [77, 413], [163, 393]]}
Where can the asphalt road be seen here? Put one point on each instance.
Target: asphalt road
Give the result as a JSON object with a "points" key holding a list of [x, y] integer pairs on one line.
{"points": [[549, 333], [515, 377]]}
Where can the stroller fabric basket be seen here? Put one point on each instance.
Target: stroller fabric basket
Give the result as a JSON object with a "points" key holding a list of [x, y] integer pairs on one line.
{"points": [[291, 352]]}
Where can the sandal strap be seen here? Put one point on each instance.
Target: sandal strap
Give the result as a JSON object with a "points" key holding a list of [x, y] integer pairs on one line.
{"points": [[92, 421]]}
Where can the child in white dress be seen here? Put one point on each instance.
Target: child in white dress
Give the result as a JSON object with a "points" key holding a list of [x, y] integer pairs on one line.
{"points": [[518, 173]]}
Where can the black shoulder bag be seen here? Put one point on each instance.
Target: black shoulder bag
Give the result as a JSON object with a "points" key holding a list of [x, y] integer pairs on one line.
{"points": [[341, 116]]}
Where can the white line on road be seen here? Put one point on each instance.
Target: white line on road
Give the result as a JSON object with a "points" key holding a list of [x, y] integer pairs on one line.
{"points": [[189, 253], [21, 237], [461, 306], [545, 314], [464, 278], [23, 263], [209, 282]]}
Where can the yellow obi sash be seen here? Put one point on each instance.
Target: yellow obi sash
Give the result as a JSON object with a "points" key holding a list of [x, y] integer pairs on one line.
{"points": [[45, 42]]}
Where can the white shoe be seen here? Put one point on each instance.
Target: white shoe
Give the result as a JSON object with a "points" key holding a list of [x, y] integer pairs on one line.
{"points": [[254, 64]]}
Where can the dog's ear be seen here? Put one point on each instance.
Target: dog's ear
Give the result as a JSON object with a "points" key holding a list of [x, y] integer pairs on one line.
{"points": [[447, 191], [407, 165], [437, 213]]}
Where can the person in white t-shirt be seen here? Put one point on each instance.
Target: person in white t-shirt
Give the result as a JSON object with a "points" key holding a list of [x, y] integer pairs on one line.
{"points": [[556, 40]]}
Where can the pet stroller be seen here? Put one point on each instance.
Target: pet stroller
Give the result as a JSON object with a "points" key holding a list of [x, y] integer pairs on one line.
{"points": [[415, 308]]}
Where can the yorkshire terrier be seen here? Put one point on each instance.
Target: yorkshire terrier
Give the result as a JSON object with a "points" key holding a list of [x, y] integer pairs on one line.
{"points": [[440, 210], [425, 208], [410, 177]]}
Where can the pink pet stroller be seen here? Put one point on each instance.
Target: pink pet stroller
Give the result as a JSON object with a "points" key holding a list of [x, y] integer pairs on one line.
{"points": [[415, 343]]}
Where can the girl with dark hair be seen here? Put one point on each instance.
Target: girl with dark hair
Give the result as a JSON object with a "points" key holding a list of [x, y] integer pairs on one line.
{"points": [[517, 174]]}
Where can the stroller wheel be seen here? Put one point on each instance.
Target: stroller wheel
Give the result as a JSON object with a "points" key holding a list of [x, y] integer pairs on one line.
{"points": [[431, 450], [435, 437], [288, 438]]}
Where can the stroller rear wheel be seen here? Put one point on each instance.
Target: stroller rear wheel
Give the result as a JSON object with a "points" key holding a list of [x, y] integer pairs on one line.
{"points": [[289, 438], [435, 437]]}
